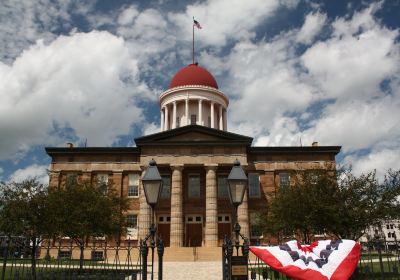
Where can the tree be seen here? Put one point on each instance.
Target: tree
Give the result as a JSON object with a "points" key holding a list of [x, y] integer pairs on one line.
{"points": [[366, 202], [336, 203], [86, 211], [26, 211]]}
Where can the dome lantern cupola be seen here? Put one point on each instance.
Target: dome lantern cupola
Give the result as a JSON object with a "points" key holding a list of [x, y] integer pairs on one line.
{"points": [[193, 97]]}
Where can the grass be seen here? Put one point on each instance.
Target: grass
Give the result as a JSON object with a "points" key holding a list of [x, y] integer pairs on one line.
{"points": [[64, 273]]}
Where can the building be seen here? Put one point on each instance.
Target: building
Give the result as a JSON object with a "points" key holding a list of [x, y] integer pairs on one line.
{"points": [[194, 152], [388, 231]]}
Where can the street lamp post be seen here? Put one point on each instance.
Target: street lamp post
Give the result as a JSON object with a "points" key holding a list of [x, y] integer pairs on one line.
{"points": [[236, 267], [152, 185], [237, 184]]}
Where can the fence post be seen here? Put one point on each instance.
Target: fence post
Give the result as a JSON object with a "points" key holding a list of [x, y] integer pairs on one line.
{"points": [[380, 260], [160, 250], [144, 250], [5, 257]]}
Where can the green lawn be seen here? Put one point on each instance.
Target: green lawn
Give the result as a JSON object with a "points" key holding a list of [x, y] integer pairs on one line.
{"points": [[65, 273]]}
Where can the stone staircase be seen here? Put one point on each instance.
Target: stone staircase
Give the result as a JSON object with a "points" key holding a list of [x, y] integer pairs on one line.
{"points": [[190, 254]]}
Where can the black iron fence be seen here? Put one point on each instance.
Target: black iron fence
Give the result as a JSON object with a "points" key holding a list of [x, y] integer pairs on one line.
{"points": [[65, 259], [379, 260]]}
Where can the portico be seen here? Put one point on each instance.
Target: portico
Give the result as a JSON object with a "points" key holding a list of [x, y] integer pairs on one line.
{"points": [[194, 171]]}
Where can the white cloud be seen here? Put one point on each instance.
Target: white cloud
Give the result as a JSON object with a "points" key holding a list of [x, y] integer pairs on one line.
{"points": [[33, 171], [313, 24], [23, 22], [379, 160], [86, 81], [359, 125], [273, 90], [353, 66], [127, 16], [223, 20], [151, 128]]}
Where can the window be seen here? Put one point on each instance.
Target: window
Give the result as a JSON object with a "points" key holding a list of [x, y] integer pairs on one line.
{"points": [[224, 219], [389, 235], [101, 180], [387, 226], [314, 178], [164, 219], [194, 219], [254, 185], [133, 185], [132, 226], [192, 119], [194, 186], [97, 255], [223, 186], [166, 187], [284, 179], [391, 226], [64, 254], [209, 121], [131, 221], [177, 122], [72, 179], [255, 227]]}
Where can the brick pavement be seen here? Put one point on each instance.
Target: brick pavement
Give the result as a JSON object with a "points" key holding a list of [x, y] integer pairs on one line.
{"points": [[191, 271]]}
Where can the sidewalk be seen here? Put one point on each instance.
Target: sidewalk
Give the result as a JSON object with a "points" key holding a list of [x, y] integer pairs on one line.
{"points": [[190, 271]]}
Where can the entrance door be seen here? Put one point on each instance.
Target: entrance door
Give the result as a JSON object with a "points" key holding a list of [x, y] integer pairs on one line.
{"points": [[164, 228], [224, 228], [194, 231]]}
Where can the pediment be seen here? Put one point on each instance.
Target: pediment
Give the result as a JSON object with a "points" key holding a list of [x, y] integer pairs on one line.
{"points": [[193, 134]]}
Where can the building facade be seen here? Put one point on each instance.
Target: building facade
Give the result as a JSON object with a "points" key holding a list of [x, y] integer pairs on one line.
{"points": [[194, 153]]}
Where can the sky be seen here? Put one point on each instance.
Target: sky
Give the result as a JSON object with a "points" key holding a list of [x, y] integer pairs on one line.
{"points": [[295, 71]]}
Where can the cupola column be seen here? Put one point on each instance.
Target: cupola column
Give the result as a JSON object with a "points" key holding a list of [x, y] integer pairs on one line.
{"points": [[225, 120], [174, 115], [221, 124], [200, 120], [187, 110], [166, 119], [212, 114], [162, 119]]}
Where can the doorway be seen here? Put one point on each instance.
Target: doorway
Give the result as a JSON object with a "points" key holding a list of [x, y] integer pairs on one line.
{"points": [[164, 228], [224, 228], [194, 230]]}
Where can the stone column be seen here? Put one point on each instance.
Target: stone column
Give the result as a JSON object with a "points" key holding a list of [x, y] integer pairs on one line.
{"points": [[200, 120], [211, 233], [243, 217], [176, 234], [187, 110], [144, 212], [212, 114], [162, 119], [166, 123], [221, 124], [174, 115]]}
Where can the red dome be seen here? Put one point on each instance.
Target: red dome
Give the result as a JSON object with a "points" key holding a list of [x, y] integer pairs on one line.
{"points": [[193, 75]]}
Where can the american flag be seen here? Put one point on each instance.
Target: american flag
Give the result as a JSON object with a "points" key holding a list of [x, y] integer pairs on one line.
{"points": [[196, 23]]}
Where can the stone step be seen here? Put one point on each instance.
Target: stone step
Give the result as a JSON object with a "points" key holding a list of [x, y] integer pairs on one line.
{"points": [[190, 254]]}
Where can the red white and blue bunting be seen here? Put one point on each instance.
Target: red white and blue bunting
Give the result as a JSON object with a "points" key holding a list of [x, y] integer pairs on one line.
{"points": [[322, 260]]}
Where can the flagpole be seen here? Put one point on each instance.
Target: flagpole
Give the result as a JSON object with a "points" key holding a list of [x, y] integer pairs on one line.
{"points": [[193, 42]]}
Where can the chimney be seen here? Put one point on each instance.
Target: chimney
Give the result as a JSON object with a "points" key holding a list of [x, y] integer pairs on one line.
{"points": [[314, 144], [70, 145]]}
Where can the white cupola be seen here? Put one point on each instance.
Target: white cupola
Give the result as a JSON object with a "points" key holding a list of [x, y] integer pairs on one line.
{"points": [[193, 98]]}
